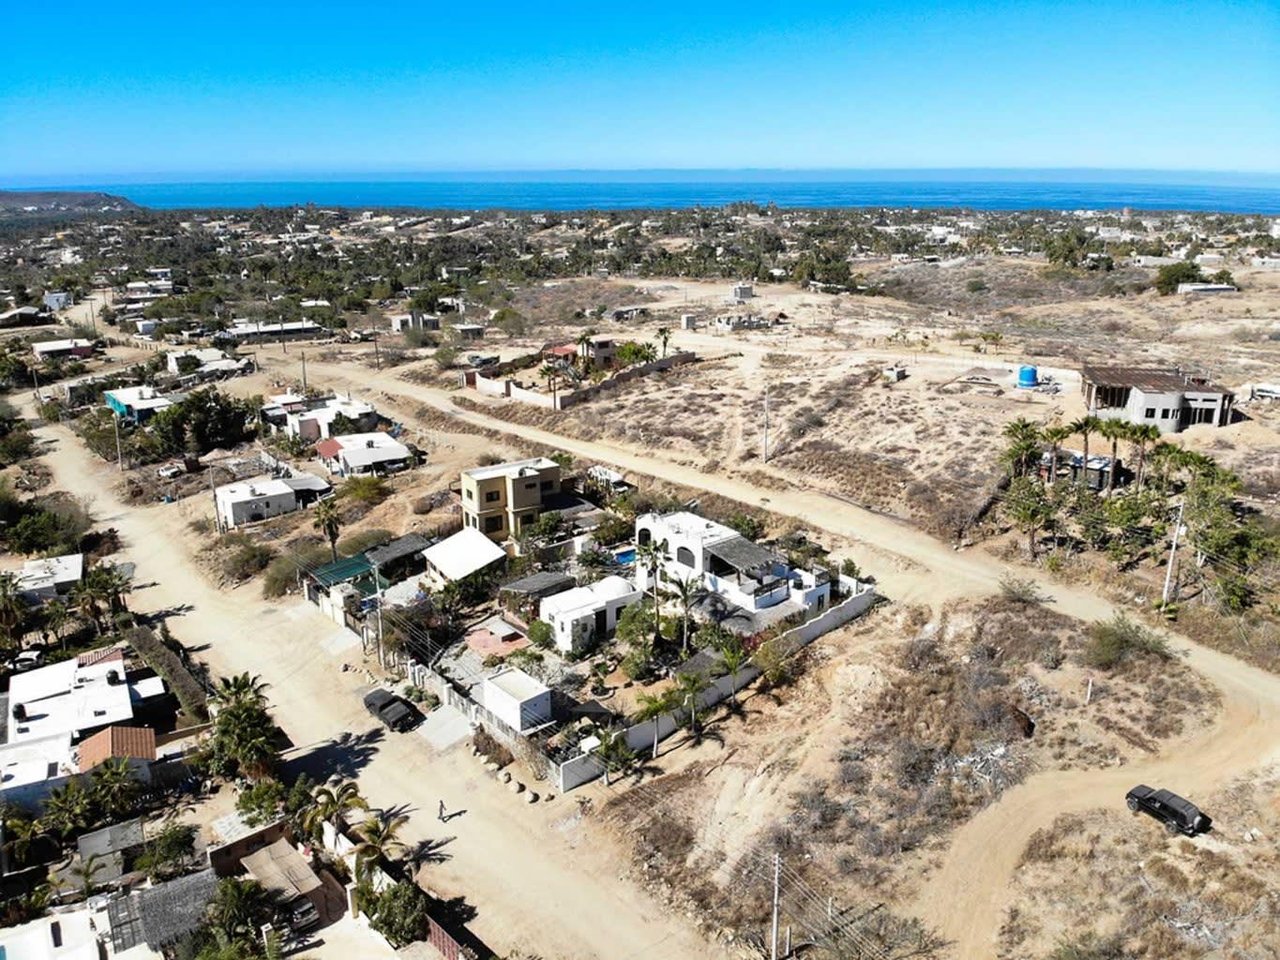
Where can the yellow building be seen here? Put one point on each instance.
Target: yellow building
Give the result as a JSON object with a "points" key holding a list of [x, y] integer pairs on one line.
{"points": [[501, 500]]}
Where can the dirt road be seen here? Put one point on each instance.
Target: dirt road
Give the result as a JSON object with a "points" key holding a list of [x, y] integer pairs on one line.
{"points": [[536, 880], [965, 898]]}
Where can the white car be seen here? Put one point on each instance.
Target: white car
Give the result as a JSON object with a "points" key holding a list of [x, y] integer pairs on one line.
{"points": [[27, 660]]}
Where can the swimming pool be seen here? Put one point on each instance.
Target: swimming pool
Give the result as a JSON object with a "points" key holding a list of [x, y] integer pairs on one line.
{"points": [[626, 557]]}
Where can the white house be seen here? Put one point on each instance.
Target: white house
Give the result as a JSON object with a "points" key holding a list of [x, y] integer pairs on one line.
{"points": [[359, 454], [31, 770], [56, 349], [58, 299], [59, 936], [317, 424], [73, 698], [202, 357], [138, 404], [520, 701], [723, 562], [457, 557], [253, 500], [583, 615], [41, 580]]}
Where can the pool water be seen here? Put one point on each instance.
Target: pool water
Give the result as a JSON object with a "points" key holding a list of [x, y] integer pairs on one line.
{"points": [[625, 557]]}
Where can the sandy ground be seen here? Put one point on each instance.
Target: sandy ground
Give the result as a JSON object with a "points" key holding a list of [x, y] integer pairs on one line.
{"points": [[507, 858], [966, 897]]}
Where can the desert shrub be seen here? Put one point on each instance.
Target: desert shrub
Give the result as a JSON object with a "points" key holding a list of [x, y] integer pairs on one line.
{"points": [[1017, 590], [540, 634], [247, 560], [259, 802], [398, 912], [362, 541], [492, 750], [1114, 641], [1090, 946], [282, 572], [366, 490]]}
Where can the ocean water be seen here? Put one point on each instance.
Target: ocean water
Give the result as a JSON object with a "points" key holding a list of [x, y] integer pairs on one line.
{"points": [[608, 193]]}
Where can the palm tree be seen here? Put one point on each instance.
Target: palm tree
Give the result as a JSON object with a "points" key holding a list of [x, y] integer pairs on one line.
{"points": [[686, 591], [330, 804], [20, 834], [1115, 431], [114, 787], [584, 347], [614, 753], [86, 870], [653, 706], [551, 374], [242, 689], [329, 522], [691, 686], [1024, 445], [647, 353], [1140, 435], [86, 596], [66, 809], [379, 840], [13, 610], [734, 657], [239, 908], [1055, 436], [57, 615], [649, 557], [664, 337], [1085, 426]]}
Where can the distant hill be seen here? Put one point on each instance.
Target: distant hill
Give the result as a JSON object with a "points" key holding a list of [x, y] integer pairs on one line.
{"points": [[20, 203]]}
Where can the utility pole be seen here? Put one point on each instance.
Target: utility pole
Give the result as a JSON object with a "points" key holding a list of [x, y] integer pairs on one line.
{"points": [[1173, 550], [115, 423], [304, 373], [777, 879], [283, 346], [766, 424], [377, 357], [217, 520]]}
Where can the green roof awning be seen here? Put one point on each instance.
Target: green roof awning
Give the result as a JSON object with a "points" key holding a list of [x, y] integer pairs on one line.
{"points": [[346, 569]]}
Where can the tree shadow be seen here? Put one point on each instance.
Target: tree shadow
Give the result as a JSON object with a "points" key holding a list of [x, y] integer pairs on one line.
{"points": [[342, 757], [429, 851]]}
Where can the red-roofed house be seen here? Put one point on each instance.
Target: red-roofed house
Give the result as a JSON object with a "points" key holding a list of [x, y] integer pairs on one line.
{"points": [[134, 744]]}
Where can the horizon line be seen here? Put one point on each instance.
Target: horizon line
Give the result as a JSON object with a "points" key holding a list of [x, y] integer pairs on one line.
{"points": [[286, 175]]}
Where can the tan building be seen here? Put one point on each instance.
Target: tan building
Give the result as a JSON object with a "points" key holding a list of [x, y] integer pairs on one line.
{"points": [[501, 500]]}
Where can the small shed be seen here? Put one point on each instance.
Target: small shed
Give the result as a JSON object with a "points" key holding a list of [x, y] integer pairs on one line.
{"points": [[520, 701]]}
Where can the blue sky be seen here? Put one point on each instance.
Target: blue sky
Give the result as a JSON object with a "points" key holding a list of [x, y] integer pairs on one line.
{"points": [[98, 92]]}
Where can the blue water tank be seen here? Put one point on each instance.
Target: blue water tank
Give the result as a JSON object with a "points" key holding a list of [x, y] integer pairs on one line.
{"points": [[1028, 376]]}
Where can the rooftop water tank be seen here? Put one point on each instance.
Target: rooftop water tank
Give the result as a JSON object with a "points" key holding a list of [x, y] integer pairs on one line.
{"points": [[1028, 376]]}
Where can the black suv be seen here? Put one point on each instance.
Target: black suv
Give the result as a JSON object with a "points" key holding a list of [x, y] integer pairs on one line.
{"points": [[1177, 815], [391, 710]]}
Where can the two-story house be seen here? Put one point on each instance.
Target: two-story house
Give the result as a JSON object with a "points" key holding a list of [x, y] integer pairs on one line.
{"points": [[502, 499]]}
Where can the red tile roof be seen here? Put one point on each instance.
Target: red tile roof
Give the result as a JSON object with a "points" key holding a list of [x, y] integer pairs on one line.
{"points": [[99, 656], [134, 743], [329, 448]]}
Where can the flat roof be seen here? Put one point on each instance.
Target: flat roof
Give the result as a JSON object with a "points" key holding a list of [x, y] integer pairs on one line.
{"points": [[34, 940], [252, 489], [510, 468], [591, 596], [517, 684], [68, 697]]}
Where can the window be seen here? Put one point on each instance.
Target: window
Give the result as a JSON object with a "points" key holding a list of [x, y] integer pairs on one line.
{"points": [[492, 524], [644, 536], [1151, 413], [685, 556], [531, 485], [491, 496], [1164, 414], [468, 494], [545, 485]]}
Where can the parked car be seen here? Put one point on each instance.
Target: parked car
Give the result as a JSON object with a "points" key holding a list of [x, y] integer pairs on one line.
{"points": [[394, 712], [27, 660], [1176, 813], [302, 914]]}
